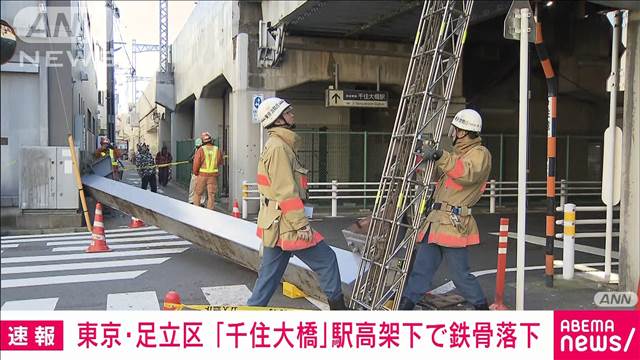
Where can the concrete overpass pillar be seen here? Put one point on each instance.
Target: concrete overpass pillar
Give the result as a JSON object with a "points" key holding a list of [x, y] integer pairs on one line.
{"points": [[630, 187], [208, 115], [164, 130]]}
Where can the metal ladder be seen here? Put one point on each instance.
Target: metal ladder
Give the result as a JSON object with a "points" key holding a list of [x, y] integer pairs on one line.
{"points": [[404, 187]]}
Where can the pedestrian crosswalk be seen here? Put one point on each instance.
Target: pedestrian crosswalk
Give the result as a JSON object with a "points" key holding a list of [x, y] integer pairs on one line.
{"points": [[56, 259], [35, 268]]}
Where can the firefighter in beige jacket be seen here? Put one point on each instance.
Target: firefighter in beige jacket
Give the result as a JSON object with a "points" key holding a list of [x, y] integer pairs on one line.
{"points": [[450, 227], [282, 225]]}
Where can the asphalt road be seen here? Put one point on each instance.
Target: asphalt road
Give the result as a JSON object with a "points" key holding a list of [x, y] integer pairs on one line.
{"points": [[52, 271]]}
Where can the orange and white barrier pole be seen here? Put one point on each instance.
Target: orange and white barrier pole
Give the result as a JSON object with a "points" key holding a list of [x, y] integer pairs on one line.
{"points": [[498, 303]]}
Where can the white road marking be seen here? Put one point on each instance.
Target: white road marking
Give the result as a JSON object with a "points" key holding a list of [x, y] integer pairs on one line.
{"points": [[68, 279], [145, 300], [110, 240], [317, 303], [7, 246], [47, 304], [86, 236], [26, 259], [75, 233], [5, 270], [125, 246], [449, 286], [227, 295], [539, 240]]}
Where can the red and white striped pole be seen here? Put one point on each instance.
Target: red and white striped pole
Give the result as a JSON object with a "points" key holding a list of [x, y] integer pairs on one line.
{"points": [[498, 303]]}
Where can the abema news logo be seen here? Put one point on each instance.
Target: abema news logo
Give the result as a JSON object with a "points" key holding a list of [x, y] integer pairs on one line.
{"points": [[601, 335]]}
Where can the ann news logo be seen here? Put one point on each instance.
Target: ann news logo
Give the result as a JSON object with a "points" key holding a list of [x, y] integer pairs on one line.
{"points": [[615, 299]]}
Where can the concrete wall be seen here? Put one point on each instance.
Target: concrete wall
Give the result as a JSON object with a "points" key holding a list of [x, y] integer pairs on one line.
{"points": [[205, 47], [208, 115], [630, 190], [274, 11], [311, 59]]}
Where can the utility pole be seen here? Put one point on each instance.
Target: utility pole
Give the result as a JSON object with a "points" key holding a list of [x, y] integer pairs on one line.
{"points": [[110, 73]]}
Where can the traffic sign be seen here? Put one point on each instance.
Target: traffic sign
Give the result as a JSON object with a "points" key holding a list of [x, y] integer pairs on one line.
{"points": [[257, 100], [356, 98]]}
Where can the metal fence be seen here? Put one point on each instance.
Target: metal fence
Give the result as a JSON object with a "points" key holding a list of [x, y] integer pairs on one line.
{"points": [[361, 195], [358, 156]]}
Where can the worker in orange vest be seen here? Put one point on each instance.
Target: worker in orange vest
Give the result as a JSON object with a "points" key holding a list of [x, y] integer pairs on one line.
{"points": [[206, 162], [449, 228]]}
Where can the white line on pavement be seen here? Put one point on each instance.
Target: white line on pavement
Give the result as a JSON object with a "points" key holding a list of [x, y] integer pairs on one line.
{"points": [[145, 300], [75, 233], [449, 286], [110, 240], [125, 246], [47, 304], [7, 246], [68, 279], [80, 266], [227, 295], [86, 237], [26, 259]]}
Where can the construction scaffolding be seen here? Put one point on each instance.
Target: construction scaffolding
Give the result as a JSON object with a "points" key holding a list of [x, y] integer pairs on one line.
{"points": [[403, 193]]}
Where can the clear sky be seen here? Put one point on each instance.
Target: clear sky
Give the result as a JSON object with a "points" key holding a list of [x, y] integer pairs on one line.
{"points": [[139, 20]]}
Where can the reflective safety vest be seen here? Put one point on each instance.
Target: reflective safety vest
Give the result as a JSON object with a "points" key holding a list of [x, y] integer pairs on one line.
{"points": [[210, 165], [114, 161]]}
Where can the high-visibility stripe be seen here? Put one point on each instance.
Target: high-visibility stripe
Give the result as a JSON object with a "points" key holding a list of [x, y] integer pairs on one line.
{"points": [[259, 232], [291, 205], [210, 165], [504, 221], [449, 183], [263, 180], [569, 216], [458, 169], [570, 230], [423, 205], [453, 240], [304, 182], [504, 227], [298, 244], [483, 187], [98, 223], [400, 200], [114, 161], [551, 186], [553, 105], [502, 251], [502, 244], [550, 225]]}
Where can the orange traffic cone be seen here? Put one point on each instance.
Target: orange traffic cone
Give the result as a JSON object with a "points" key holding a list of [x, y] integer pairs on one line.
{"points": [[136, 223], [236, 211], [171, 301], [98, 240]]}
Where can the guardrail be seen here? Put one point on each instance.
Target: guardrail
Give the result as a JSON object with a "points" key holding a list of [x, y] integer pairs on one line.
{"points": [[495, 190], [570, 233]]}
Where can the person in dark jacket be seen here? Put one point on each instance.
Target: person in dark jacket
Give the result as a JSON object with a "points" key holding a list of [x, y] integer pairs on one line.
{"points": [[163, 157], [146, 168]]}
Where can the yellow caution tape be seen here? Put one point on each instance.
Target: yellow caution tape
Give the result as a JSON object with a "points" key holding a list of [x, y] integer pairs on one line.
{"points": [[377, 198], [442, 27], [157, 166], [178, 307], [464, 36]]}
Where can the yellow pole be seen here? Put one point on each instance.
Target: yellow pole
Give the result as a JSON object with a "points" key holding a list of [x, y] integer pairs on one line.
{"points": [[83, 200]]}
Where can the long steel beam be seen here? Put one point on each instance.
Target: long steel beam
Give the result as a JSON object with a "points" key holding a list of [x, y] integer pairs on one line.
{"points": [[226, 236]]}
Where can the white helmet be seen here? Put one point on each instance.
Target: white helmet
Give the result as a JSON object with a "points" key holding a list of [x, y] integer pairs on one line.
{"points": [[468, 119], [270, 109]]}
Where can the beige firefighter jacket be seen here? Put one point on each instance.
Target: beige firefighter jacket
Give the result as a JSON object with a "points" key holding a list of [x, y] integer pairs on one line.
{"points": [[464, 175], [282, 183]]}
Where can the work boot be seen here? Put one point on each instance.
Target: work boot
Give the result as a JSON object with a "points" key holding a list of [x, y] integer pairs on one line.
{"points": [[337, 304], [406, 304], [483, 306]]}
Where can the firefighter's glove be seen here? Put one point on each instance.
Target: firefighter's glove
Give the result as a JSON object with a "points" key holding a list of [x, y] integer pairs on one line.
{"points": [[432, 153], [305, 233]]}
